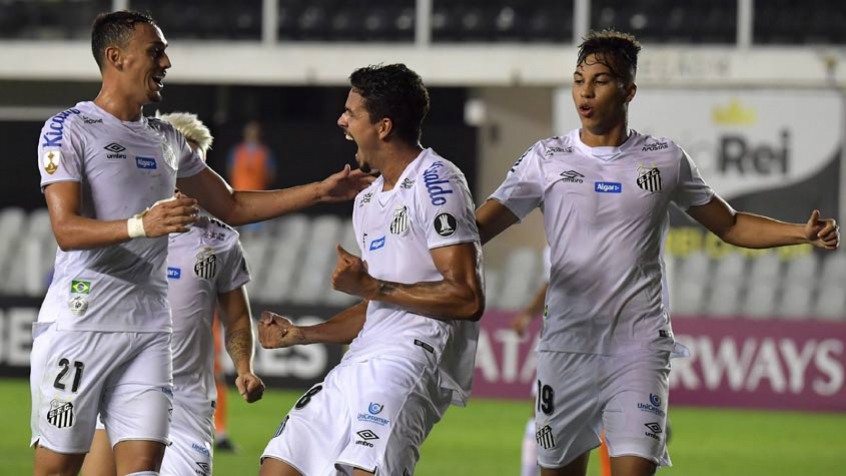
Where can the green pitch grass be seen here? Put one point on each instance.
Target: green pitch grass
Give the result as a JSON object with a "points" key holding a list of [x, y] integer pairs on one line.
{"points": [[485, 438]]}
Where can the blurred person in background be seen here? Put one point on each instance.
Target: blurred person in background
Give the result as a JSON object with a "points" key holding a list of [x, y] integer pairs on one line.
{"points": [[413, 337], [101, 343], [206, 270], [250, 164], [604, 190]]}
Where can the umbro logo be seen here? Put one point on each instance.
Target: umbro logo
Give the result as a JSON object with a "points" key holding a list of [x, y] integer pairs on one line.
{"points": [[367, 435], [115, 147], [573, 176]]}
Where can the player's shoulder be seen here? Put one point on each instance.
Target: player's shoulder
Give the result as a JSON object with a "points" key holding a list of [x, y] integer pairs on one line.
{"points": [[212, 232], [555, 145], [658, 146], [431, 167], [365, 196], [59, 124]]}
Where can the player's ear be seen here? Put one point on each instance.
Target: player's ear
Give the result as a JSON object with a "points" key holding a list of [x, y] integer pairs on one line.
{"points": [[114, 57], [386, 125], [631, 90]]}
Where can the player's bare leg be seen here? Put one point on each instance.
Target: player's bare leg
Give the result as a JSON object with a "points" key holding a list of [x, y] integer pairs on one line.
{"points": [[48, 462], [133, 456], [577, 467], [632, 466], [361, 472], [100, 460], [274, 467]]}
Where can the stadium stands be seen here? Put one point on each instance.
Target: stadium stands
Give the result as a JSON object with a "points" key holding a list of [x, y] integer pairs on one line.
{"points": [[291, 260]]}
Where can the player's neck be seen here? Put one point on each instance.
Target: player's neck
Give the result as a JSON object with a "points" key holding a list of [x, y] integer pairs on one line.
{"points": [[394, 163], [612, 137], [118, 105]]}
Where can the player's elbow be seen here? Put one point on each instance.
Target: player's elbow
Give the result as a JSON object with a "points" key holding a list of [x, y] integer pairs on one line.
{"points": [[473, 306]]}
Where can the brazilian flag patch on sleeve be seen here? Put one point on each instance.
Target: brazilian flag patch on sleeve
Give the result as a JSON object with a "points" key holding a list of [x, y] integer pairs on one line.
{"points": [[80, 287]]}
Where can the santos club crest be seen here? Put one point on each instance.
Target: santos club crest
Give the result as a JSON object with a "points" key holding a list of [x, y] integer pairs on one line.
{"points": [[649, 178]]}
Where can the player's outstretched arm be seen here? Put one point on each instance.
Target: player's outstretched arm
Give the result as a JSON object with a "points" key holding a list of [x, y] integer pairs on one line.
{"points": [[75, 232], [460, 295], [237, 322], [755, 231], [276, 331], [493, 218], [238, 207]]}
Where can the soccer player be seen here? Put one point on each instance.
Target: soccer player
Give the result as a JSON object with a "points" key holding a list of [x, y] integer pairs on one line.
{"points": [[604, 191], [413, 337], [205, 268], [103, 335]]}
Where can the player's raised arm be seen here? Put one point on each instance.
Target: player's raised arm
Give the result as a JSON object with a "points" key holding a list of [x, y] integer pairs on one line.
{"points": [[755, 231], [75, 232], [459, 295], [238, 207], [276, 331]]}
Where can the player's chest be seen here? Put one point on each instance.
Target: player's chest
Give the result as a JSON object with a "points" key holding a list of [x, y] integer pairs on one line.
{"points": [[608, 189], [387, 224], [193, 267], [130, 159]]}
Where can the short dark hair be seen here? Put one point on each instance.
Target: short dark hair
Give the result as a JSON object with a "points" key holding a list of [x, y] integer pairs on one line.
{"points": [[114, 29], [616, 50], [395, 92]]}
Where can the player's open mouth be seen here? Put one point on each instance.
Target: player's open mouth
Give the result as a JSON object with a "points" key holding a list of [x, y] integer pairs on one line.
{"points": [[585, 110], [158, 81], [347, 136]]}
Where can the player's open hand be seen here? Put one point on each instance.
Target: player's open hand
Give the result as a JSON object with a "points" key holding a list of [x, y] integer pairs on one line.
{"points": [[350, 275], [250, 387], [344, 185], [276, 332], [822, 233], [172, 215]]}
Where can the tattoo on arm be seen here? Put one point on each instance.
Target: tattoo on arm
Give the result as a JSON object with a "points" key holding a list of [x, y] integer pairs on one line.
{"points": [[239, 345]]}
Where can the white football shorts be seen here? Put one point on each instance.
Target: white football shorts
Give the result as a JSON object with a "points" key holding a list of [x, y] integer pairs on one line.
{"points": [[125, 376], [578, 394], [371, 415]]}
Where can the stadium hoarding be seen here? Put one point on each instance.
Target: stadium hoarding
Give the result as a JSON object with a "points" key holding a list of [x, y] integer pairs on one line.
{"points": [[735, 362]]}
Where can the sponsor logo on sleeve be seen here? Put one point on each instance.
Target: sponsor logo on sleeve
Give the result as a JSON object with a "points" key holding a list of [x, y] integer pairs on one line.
{"points": [[608, 187], [445, 224], [436, 187], [89, 120], [655, 146], [365, 199], [53, 137], [51, 160], [148, 163], [550, 151], [407, 183]]}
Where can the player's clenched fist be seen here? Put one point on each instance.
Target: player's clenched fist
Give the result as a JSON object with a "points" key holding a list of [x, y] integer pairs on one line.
{"points": [[250, 387], [350, 275], [170, 216], [276, 332]]}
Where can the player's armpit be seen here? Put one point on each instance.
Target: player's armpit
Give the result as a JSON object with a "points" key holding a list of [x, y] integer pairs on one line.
{"points": [[493, 218]]}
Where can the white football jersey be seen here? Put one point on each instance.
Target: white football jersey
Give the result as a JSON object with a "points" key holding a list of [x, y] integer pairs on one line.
{"points": [[430, 207], [201, 263], [605, 211], [122, 168]]}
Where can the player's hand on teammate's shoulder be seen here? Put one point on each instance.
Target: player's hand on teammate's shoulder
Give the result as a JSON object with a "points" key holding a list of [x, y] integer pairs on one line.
{"points": [[344, 185], [276, 332], [172, 215], [351, 277], [822, 233], [250, 387]]}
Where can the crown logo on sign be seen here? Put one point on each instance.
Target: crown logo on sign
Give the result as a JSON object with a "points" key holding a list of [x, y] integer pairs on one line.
{"points": [[734, 114]]}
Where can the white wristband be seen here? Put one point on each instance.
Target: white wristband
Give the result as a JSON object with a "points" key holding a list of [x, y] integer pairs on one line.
{"points": [[135, 226]]}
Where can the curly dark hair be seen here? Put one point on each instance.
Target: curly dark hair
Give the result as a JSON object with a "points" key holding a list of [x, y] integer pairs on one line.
{"points": [[114, 29], [395, 92], [616, 50]]}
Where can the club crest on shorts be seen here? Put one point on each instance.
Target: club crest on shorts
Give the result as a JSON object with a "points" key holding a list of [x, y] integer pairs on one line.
{"points": [[205, 265], [445, 224], [649, 178], [400, 222], [51, 161], [78, 305], [544, 438], [60, 414]]}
